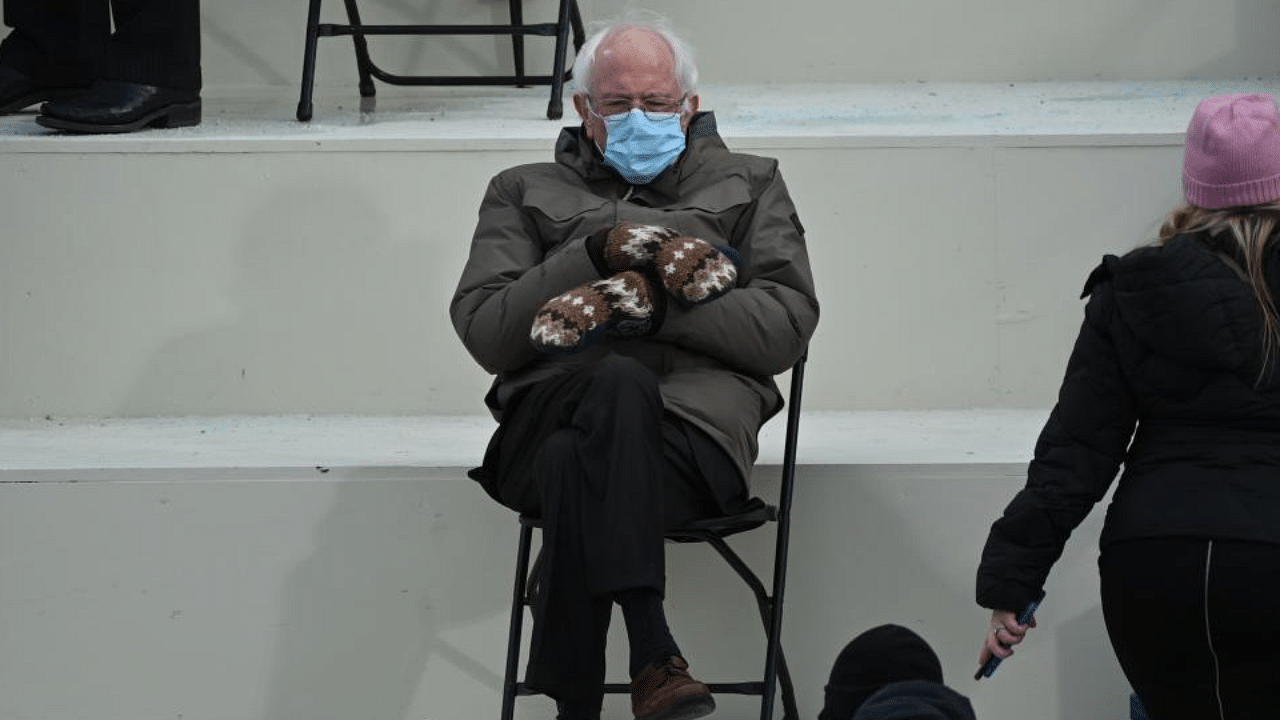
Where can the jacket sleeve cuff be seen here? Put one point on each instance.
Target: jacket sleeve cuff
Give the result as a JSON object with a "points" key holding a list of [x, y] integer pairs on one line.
{"points": [[1010, 597], [595, 251]]}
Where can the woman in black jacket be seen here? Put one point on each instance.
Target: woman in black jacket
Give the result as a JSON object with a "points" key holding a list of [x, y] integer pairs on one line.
{"points": [[1180, 341]]}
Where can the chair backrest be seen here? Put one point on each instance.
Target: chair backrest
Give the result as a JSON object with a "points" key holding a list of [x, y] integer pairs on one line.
{"points": [[793, 428], [789, 449]]}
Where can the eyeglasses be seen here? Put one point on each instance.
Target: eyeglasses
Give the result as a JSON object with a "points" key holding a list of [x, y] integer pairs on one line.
{"points": [[655, 108]]}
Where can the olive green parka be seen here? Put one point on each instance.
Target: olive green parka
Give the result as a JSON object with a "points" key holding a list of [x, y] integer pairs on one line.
{"points": [[716, 361]]}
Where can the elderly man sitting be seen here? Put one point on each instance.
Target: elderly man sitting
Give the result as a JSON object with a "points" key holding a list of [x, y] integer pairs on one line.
{"points": [[634, 299]]}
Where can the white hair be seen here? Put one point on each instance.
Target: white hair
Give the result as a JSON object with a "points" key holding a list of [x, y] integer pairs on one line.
{"points": [[584, 64]]}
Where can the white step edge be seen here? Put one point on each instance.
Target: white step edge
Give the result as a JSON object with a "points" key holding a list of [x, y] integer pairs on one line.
{"points": [[751, 117], [951, 437]]}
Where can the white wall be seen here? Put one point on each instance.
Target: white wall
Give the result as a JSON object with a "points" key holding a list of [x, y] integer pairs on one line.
{"points": [[381, 594], [318, 282], [259, 42]]}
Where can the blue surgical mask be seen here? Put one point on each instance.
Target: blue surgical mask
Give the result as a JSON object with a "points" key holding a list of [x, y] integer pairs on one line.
{"points": [[641, 146]]}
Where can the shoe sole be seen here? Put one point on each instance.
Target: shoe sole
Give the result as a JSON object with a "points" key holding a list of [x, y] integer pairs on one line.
{"points": [[34, 98], [170, 116], [695, 707]]}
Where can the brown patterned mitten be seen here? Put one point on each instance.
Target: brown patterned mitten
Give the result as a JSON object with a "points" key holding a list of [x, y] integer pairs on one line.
{"points": [[692, 270], [625, 305]]}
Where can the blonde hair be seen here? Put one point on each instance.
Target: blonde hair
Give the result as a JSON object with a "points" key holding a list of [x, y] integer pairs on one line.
{"points": [[1251, 228]]}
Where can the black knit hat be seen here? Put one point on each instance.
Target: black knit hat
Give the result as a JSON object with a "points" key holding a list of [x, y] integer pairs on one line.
{"points": [[877, 657], [915, 700]]}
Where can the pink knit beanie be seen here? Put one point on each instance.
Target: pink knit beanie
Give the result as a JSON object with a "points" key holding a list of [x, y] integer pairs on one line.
{"points": [[1233, 151]]}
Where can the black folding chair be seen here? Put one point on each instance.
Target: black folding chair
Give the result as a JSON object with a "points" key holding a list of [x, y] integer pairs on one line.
{"points": [[568, 18], [713, 532]]}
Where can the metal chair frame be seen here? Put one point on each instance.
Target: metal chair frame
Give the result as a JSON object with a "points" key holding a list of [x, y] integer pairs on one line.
{"points": [[713, 532], [569, 18]]}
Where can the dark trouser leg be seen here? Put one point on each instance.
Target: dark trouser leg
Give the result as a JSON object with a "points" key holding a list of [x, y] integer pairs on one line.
{"points": [[589, 453], [1246, 627], [1193, 627], [57, 40], [156, 42], [570, 621]]}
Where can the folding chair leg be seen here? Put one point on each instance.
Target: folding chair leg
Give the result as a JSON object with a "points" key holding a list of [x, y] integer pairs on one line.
{"points": [[579, 32], [363, 63], [309, 61], [779, 677], [509, 680], [555, 108], [789, 710], [517, 41], [775, 663]]}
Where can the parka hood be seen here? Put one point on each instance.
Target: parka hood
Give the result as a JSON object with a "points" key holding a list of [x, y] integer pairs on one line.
{"points": [[1187, 301]]}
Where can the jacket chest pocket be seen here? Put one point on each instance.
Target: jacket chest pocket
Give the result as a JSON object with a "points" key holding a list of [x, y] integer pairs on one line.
{"points": [[565, 213], [712, 213]]}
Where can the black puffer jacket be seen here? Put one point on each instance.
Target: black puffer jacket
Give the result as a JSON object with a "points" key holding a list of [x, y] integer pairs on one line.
{"points": [[1171, 344]]}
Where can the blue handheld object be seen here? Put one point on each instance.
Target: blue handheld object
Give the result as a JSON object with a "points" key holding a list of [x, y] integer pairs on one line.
{"points": [[1024, 617], [1137, 711]]}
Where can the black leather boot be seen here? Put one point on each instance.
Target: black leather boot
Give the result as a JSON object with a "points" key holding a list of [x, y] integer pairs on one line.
{"points": [[19, 90], [113, 106]]}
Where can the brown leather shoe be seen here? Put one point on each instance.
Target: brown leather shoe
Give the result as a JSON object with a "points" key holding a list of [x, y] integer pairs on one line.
{"points": [[666, 691]]}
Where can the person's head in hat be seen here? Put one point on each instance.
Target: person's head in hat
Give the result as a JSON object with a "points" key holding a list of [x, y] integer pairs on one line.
{"points": [[1232, 152], [890, 673]]}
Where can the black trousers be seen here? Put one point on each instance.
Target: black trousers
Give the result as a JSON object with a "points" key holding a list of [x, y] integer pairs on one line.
{"points": [[156, 42], [1194, 623], [596, 457]]}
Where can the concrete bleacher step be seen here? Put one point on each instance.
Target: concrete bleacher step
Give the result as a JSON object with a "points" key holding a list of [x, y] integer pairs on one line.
{"points": [[235, 566]]}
